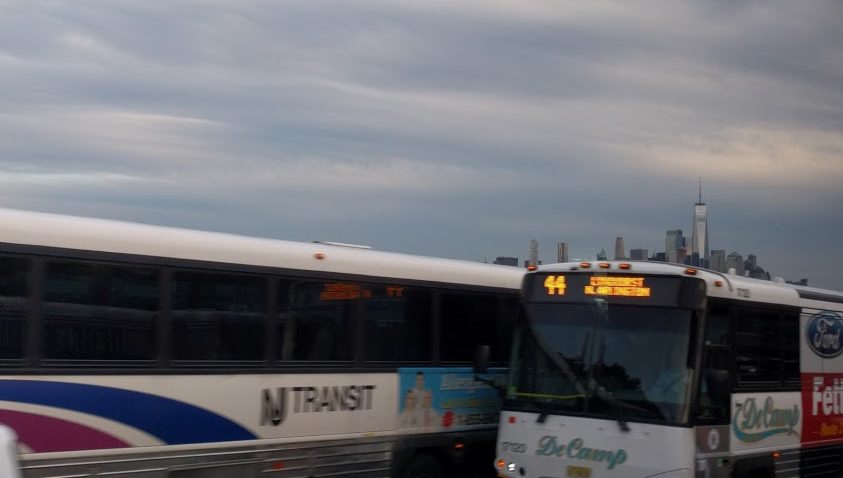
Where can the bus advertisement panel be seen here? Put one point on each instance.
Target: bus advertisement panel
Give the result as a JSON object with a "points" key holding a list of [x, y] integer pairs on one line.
{"points": [[822, 376], [439, 399]]}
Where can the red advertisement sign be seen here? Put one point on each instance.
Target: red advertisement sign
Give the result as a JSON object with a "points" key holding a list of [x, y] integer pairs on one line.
{"points": [[822, 405]]}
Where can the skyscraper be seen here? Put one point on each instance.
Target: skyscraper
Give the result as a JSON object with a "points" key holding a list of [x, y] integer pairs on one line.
{"points": [[735, 261], [534, 253], [638, 254], [751, 262], [561, 252], [619, 249], [507, 261], [699, 235], [718, 260], [672, 243], [681, 256]]}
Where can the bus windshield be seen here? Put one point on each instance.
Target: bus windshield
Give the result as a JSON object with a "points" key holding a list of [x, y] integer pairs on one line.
{"points": [[629, 362]]}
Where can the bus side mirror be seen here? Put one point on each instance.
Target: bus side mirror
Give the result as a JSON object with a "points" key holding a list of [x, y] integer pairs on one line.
{"points": [[481, 365], [481, 359], [718, 383]]}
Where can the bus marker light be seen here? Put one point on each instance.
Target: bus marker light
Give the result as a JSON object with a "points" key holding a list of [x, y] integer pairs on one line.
{"points": [[605, 265], [777, 455], [511, 419], [585, 265], [459, 445], [532, 267], [278, 465], [500, 463], [319, 256], [718, 283], [511, 467], [691, 272], [625, 266]]}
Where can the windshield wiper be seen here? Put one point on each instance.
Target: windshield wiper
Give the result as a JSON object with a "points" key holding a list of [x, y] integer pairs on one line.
{"points": [[536, 407], [617, 406], [542, 409], [614, 404]]}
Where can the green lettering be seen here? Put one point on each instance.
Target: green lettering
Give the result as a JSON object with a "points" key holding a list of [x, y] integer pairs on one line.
{"points": [[574, 447], [619, 458]]}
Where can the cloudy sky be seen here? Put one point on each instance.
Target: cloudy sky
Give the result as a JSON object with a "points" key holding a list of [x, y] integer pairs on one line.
{"points": [[449, 128]]}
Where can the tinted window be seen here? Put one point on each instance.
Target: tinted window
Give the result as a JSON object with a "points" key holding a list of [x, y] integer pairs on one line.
{"points": [[398, 325], [510, 313], [713, 408], [218, 316], [468, 320], [99, 312], [790, 347], [757, 346], [320, 321], [14, 305]]}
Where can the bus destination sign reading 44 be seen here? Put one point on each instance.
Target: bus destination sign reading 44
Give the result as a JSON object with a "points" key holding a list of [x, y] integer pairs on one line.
{"points": [[618, 286], [555, 285]]}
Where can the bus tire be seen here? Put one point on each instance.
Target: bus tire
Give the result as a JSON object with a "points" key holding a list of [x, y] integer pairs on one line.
{"points": [[424, 465]]}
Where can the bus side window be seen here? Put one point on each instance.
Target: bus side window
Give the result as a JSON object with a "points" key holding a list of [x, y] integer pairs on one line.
{"points": [[320, 323], [99, 312], [715, 379], [790, 348], [285, 326], [218, 316], [757, 346], [468, 320], [397, 323], [14, 305], [507, 317]]}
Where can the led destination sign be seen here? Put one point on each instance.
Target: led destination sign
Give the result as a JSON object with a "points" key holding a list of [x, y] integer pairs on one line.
{"points": [[656, 290], [623, 286], [614, 285]]}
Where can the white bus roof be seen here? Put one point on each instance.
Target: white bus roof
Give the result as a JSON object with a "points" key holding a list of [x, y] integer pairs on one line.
{"points": [[87, 234], [731, 286]]}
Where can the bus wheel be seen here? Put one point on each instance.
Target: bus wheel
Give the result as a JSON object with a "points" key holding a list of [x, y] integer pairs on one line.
{"points": [[424, 465]]}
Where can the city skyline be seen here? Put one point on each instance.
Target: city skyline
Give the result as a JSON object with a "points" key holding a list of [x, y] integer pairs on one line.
{"points": [[733, 260], [678, 249]]}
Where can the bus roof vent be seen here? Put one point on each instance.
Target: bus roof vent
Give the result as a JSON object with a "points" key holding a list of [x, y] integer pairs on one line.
{"points": [[732, 271], [343, 244], [778, 280]]}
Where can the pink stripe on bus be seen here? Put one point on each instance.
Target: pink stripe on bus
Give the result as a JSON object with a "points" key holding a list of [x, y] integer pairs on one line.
{"points": [[47, 434]]}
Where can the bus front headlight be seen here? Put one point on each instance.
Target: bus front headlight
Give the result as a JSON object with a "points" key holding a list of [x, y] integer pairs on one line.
{"points": [[510, 467]]}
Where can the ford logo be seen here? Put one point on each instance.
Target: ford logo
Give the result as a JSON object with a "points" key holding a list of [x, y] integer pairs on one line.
{"points": [[824, 334]]}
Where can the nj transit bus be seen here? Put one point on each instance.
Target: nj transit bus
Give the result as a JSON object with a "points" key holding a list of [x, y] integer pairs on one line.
{"points": [[643, 369], [145, 351]]}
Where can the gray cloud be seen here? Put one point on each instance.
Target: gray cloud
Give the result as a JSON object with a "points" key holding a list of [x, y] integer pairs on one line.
{"points": [[445, 128]]}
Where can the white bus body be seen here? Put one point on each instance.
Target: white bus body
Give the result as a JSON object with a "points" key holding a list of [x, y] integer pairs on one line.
{"points": [[160, 352], [643, 369]]}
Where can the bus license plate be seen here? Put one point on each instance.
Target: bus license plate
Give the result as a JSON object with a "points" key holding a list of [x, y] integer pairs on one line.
{"points": [[579, 472]]}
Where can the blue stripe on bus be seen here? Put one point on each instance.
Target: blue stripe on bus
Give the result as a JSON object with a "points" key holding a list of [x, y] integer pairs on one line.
{"points": [[171, 421]]}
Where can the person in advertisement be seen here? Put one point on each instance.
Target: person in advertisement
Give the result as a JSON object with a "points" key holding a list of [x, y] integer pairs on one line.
{"points": [[418, 406], [409, 417], [428, 417]]}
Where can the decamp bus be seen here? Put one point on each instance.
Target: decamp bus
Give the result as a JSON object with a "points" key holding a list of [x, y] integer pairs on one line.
{"points": [[642, 369]]}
